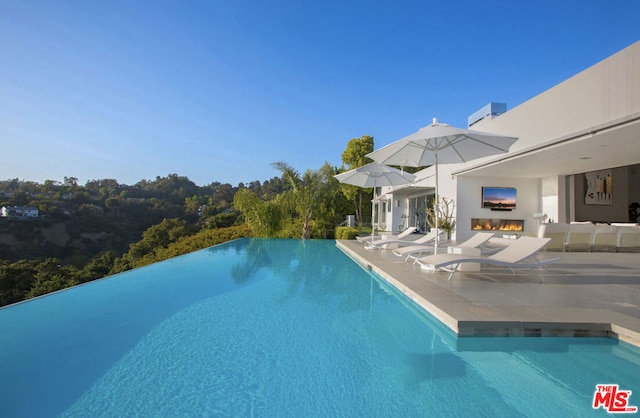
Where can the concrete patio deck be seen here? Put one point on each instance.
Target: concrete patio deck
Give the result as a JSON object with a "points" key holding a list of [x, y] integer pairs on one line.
{"points": [[584, 294]]}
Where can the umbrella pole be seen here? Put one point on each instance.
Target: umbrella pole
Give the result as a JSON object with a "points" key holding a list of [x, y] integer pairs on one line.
{"points": [[373, 211], [435, 208]]}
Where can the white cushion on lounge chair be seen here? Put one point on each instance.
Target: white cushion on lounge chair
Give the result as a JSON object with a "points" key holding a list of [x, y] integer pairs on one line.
{"points": [[476, 240], [512, 256], [401, 235], [383, 244]]}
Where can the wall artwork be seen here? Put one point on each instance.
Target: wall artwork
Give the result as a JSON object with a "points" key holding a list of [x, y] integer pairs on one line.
{"points": [[598, 188]]}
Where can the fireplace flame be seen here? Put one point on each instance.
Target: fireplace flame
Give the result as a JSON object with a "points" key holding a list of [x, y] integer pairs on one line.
{"points": [[510, 225]]}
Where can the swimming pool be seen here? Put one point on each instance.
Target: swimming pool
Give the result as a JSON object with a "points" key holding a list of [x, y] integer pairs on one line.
{"points": [[280, 328]]}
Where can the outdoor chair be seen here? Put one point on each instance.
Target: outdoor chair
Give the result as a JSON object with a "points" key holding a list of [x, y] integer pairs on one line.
{"points": [[385, 243], [415, 251], [514, 255], [402, 235]]}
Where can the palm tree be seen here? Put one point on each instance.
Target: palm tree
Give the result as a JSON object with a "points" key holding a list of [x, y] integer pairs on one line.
{"points": [[305, 195]]}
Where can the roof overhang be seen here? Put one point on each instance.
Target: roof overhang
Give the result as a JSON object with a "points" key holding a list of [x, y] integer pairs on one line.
{"points": [[410, 191], [615, 144]]}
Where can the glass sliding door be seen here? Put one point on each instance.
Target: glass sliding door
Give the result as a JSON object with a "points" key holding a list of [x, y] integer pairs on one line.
{"points": [[417, 212]]}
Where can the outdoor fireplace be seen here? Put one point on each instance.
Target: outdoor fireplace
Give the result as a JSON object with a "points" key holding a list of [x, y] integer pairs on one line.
{"points": [[507, 225]]}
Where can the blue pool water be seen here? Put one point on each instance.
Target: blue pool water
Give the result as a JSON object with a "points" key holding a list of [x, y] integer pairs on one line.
{"points": [[280, 328]]}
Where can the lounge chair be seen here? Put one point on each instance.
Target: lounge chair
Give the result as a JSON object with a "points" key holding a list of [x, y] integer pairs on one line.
{"points": [[402, 235], [512, 256], [383, 244], [415, 251]]}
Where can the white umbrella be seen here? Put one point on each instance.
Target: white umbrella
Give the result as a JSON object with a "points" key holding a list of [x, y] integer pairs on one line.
{"points": [[375, 175], [441, 143]]}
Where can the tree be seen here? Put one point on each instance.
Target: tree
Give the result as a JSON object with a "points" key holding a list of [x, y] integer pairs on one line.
{"points": [[263, 217], [15, 280], [98, 267], [113, 204], [192, 204], [50, 276], [160, 235], [354, 156], [222, 196], [50, 185], [71, 182], [334, 205], [445, 212], [305, 195], [20, 199]]}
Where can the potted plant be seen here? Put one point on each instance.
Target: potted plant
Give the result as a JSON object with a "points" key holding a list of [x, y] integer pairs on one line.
{"points": [[446, 220]]}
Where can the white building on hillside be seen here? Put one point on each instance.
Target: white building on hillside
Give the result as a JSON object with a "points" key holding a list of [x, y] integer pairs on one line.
{"points": [[20, 212], [577, 157]]}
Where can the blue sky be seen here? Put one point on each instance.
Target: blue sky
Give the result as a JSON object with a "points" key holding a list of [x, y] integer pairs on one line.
{"points": [[219, 90]]}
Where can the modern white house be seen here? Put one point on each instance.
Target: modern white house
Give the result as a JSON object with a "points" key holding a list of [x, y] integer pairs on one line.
{"points": [[577, 158], [19, 212]]}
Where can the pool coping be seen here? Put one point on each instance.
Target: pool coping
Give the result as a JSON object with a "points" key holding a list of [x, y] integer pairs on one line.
{"points": [[471, 318]]}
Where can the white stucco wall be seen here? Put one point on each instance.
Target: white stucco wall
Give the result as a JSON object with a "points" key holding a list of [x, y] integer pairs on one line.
{"points": [[603, 93], [549, 193], [469, 198]]}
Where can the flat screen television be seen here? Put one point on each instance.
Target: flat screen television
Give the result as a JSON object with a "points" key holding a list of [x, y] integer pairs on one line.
{"points": [[499, 198]]}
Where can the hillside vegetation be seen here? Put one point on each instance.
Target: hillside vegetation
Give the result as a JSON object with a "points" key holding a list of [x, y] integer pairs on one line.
{"points": [[87, 232], [83, 233]]}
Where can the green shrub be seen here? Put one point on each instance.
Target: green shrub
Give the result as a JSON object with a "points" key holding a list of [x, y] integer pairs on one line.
{"points": [[346, 232], [293, 229], [186, 244]]}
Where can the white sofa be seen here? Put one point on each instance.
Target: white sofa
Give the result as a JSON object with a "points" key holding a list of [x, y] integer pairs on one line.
{"points": [[580, 236], [557, 232], [605, 237], [628, 238], [586, 236]]}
